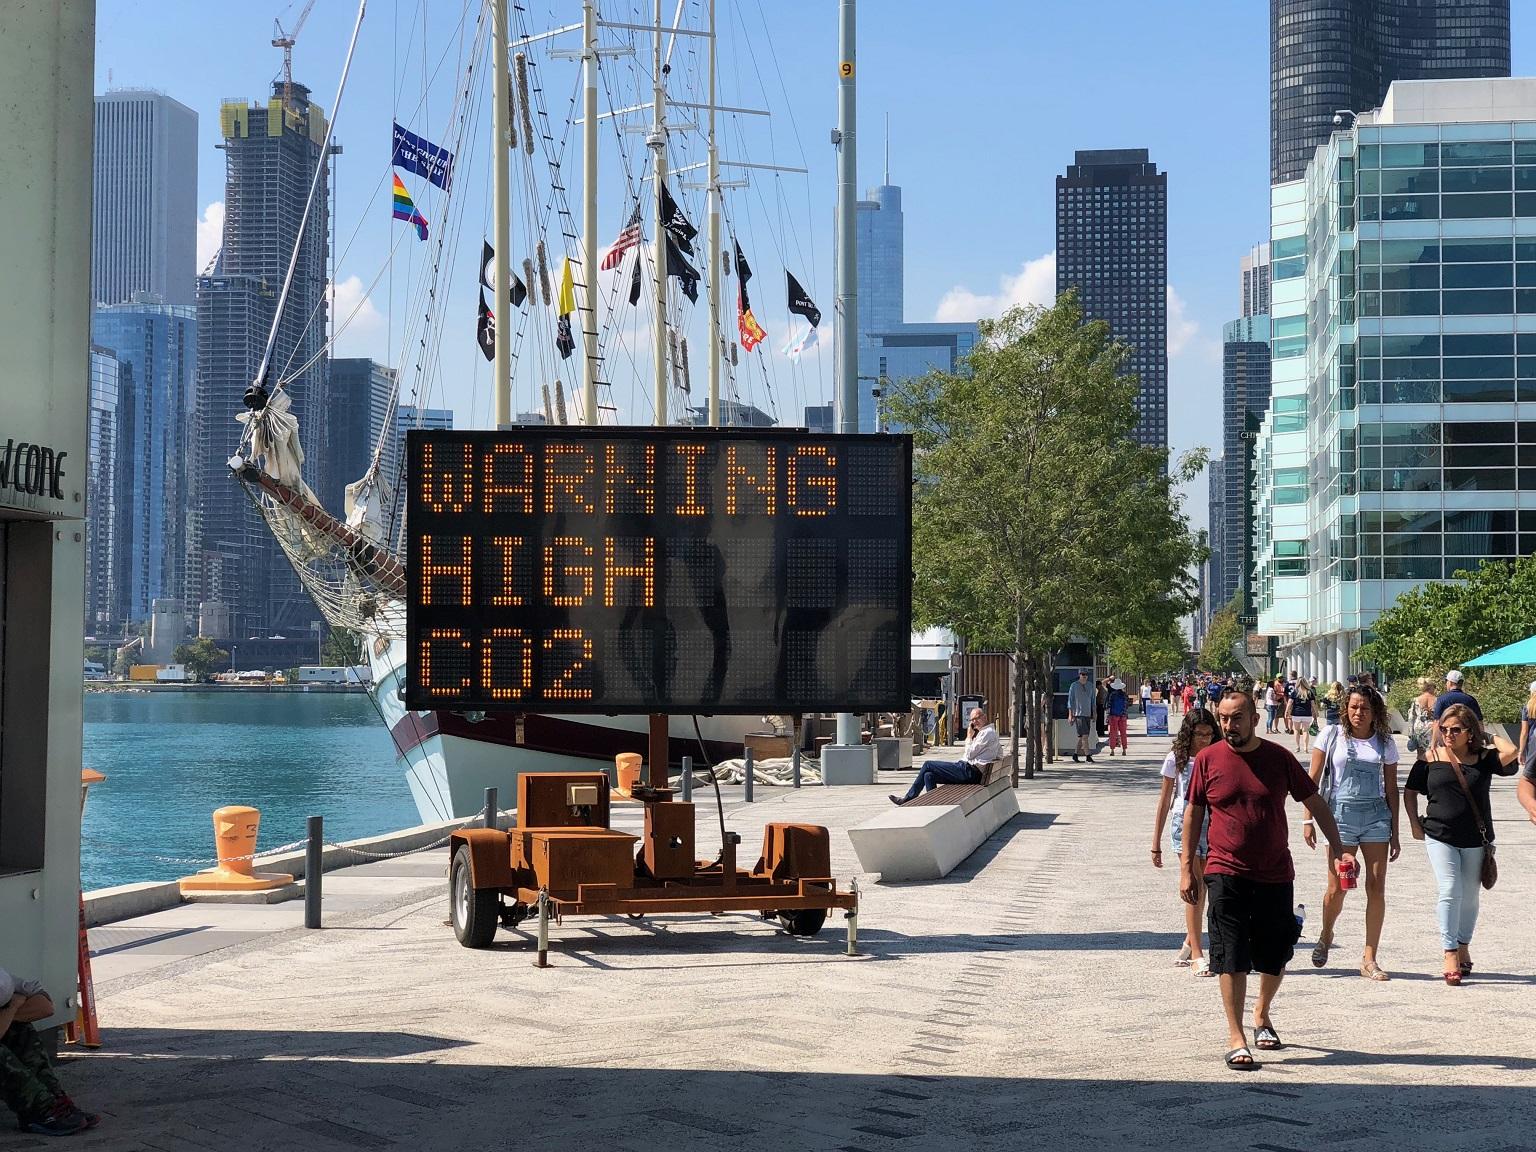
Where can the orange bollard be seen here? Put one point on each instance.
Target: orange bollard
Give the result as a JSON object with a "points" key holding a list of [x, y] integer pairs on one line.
{"points": [[234, 837], [628, 766]]}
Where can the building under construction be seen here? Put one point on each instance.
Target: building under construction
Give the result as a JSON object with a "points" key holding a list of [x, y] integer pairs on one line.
{"points": [[271, 152]]}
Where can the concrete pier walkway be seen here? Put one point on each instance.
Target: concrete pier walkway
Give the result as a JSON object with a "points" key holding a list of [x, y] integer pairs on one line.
{"points": [[1028, 1000]]}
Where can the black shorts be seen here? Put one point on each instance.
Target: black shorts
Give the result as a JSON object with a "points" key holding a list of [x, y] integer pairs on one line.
{"points": [[1252, 925]]}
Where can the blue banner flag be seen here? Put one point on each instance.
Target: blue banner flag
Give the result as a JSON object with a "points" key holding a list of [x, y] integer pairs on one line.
{"points": [[419, 155]]}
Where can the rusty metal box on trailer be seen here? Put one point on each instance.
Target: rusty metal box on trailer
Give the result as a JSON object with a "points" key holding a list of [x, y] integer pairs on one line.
{"points": [[669, 840], [563, 859], [791, 851], [562, 800]]}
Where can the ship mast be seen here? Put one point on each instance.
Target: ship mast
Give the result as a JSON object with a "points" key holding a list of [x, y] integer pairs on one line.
{"points": [[501, 207], [589, 211]]}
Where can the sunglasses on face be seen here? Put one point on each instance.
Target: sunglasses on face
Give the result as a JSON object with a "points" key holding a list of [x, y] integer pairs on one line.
{"points": [[1452, 730]]}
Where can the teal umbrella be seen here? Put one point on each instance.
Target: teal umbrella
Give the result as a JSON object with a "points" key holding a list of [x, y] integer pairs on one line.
{"points": [[1520, 652]]}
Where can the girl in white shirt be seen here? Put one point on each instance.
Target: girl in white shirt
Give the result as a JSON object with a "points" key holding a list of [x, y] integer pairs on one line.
{"points": [[1198, 731]]}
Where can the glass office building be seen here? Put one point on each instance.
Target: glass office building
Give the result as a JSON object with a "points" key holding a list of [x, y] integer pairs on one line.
{"points": [[1400, 441]]}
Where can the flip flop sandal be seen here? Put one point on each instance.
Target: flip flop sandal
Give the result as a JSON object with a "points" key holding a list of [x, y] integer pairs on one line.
{"points": [[1234, 1062], [1320, 954], [1372, 972], [1202, 967], [1266, 1039], [1466, 967], [1182, 960]]}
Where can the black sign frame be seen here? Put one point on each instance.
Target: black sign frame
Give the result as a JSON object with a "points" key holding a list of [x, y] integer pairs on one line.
{"points": [[666, 630]]}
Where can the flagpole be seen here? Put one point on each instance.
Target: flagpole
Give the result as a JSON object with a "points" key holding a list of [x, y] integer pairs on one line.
{"points": [[847, 319], [658, 144], [715, 262], [501, 154], [589, 212]]}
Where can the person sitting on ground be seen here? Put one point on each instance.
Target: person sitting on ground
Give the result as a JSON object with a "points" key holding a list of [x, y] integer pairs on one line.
{"points": [[27, 1081], [981, 749], [1080, 712]]}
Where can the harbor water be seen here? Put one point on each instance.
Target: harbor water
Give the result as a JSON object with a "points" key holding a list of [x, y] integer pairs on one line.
{"points": [[171, 758]]}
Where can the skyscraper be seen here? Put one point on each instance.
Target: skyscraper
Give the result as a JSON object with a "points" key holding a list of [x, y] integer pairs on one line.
{"points": [[1112, 246], [1328, 55], [1244, 400], [103, 553], [362, 392], [1255, 274], [155, 346], [271, 152], [881, 257], [144, 200]]}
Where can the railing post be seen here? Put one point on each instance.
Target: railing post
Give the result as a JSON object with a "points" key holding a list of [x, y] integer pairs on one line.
{"points": [[796, 759], [492, 812], [687, 778], [313, 870], [748, 762], [543, 958]]}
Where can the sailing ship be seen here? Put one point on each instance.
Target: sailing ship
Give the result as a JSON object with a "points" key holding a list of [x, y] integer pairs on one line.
{"points": [[351, 564]]}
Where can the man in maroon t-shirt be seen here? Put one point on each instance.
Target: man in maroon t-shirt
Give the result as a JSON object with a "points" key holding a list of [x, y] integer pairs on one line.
{"points": [[1242, 781]]}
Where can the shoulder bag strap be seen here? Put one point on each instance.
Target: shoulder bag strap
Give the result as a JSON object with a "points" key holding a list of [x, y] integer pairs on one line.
{"points": [[1472, 800]]}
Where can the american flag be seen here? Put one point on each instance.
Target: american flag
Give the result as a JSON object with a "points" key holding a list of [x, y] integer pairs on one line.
{"points": [[627, 240]]}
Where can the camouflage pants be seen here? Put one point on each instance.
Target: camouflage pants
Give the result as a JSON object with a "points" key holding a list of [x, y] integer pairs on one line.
{"points": [[27, 1083]]}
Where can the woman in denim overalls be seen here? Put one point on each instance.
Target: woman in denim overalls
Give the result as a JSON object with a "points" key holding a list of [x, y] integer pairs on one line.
{"points": [[1355, 767], [1198, 731]]}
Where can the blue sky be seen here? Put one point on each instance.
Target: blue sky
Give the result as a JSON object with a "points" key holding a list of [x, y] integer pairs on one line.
{"points": [[987, 101]]}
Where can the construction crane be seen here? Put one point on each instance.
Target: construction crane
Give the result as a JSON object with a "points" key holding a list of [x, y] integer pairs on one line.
{"points": [[285, 41]]}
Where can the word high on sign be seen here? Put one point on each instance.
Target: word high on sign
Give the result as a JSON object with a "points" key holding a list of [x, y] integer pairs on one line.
{"points": [[658, 570]]}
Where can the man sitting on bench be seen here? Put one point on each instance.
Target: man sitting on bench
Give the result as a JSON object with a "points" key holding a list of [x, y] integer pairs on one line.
{"points": [[983, 748]]}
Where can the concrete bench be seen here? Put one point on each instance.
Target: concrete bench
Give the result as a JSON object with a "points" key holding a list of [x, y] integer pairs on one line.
{"points": [[928, 837]]}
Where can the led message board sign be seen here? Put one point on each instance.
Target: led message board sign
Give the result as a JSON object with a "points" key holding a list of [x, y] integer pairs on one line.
{"points": [[649, 570]]}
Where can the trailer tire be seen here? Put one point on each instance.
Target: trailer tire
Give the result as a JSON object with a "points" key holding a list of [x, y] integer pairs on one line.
{"points": [[475, 912], [803, 921]]}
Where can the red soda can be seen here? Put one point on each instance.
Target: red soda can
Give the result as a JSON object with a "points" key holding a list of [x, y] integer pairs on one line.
{"points": [[1348, 871]]}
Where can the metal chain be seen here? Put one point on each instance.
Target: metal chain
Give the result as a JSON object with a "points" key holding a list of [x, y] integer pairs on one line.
{"points": [[302, 844]]}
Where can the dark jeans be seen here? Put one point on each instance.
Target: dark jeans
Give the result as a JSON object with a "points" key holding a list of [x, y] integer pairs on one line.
{"points": [[27, 1083], [937, 772]]}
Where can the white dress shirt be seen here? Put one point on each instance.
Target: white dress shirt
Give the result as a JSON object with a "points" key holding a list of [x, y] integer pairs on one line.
{"points": [[984, 747]]}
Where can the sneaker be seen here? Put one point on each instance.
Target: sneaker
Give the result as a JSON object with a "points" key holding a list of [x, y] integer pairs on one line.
{"points": [[1075, 759], [91, 1118], [1090, 759], [60, 1120], [897, 800]]}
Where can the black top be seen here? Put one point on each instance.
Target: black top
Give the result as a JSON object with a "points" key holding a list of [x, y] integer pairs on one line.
{"points": [[1447, 818]]}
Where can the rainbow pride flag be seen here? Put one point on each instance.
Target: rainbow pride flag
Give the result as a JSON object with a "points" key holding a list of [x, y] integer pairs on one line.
{"points": [[405, 209]]}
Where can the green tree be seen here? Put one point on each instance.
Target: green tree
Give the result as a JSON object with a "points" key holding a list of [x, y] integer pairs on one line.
{"points": [[1037, 517], [1225, 632], [199, 657], [341, 647], [1149, 652]]}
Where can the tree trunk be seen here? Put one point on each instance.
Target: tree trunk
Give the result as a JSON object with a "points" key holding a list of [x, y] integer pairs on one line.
{"points": [[1032, 712], [1019, 701], [1047, 677]]}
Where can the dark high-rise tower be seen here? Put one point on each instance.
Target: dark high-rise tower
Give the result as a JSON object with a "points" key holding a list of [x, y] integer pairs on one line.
{"points": [[1112, 246], [1328, 55], [270, 155]]}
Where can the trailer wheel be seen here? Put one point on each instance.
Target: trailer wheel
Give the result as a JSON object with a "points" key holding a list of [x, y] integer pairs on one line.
{"points": [[804, 921], [474, 911]]}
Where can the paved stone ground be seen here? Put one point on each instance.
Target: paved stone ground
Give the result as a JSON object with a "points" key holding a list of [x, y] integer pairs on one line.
{"points": [[1029, 1000]]}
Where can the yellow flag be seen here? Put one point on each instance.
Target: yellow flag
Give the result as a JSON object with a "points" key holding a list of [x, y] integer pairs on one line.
{"points": [[565, 304]]}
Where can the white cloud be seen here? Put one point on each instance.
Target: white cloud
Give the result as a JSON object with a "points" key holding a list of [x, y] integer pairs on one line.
{"points": [[1033, 283], [359, 325], [210, 233], [1183, 330]]}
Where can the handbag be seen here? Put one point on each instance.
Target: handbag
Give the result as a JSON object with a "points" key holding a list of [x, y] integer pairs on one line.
{"points": [[1490, 871]]}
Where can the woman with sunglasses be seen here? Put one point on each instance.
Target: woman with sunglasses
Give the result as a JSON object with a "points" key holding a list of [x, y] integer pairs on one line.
{"points": [[1197, 732], [1458, 823], [1355, 768]]}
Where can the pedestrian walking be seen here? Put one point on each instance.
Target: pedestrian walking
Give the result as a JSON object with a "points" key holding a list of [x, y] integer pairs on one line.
{"points": [[1333, 704], [1146, 696], [1080, 713], [1240, 783], [1355, 767], [1100, 707], [1119, 706], [1455, 694], [1272, 692], [1189, 697], [1299, 713], [1457, 825], [1196, 733], [1421, 718]]}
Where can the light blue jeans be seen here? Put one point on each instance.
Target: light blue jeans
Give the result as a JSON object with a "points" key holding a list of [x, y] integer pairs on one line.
{"points": [[1458, 872]]}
